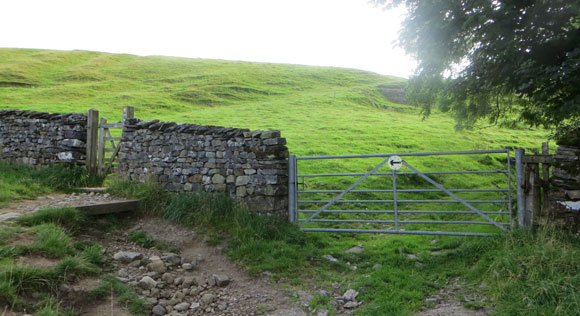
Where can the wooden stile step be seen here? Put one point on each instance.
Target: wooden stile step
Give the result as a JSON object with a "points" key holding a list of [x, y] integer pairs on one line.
{"points": [[110, 207]]}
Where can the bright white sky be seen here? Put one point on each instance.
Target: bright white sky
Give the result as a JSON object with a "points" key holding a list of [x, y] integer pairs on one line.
{"points": [[342, 33]]}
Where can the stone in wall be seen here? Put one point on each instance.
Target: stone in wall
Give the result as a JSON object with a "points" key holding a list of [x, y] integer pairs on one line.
{"points": [[40, 138], [250, 165]]}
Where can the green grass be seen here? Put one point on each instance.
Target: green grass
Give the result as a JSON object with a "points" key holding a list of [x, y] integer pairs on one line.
{"points": [[125, 295], [69, 218], [18, 182], [142, 239]]}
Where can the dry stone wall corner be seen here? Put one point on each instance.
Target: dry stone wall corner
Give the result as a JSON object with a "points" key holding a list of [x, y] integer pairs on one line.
{"points": [[250, 165]]}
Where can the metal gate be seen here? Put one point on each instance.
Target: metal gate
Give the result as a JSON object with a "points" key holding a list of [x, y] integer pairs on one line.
{"points": [[418, 200]]}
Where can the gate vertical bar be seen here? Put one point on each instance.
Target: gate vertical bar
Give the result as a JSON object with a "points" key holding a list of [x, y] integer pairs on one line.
{"points": [[520, 187], [395, 206], [102, 144], [509, 176], [292, 190]]}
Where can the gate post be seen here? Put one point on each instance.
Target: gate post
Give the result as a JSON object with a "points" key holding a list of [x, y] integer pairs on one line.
{"points": [[92, 141], [292, 190], [128, 113], [520, 187], [533, 186]]}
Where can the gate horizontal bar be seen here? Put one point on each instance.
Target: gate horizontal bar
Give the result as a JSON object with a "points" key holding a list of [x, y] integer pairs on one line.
{"points": [[406, 191], [441, 153], [404, 201], [400, 232], [400, 222], [400, 173], [402, 212], [111, 125]]}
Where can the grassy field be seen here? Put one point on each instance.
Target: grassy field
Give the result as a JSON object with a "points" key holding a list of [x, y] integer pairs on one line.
{"points": [[323, 111]]}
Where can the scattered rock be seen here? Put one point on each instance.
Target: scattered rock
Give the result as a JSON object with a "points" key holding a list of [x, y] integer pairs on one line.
{"points": [[356, 249], [221, 280], [181, 307], [322, 312], [350, 295], [194, 306], [330, 258], [157, 266], [147, 283], [127, 256], [434, 242], [377, 266], [208, 298], [351, 305], [159, 310]]}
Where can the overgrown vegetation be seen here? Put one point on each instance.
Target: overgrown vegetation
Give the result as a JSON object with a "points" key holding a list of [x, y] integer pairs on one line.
{"points": [[25, 182]]}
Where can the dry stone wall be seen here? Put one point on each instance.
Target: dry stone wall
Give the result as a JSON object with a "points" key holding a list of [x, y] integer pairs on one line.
{"points": [[39, 138], [564, 194], [250, 165]]}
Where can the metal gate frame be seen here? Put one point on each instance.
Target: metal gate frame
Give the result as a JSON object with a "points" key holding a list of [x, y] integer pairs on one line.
{"points": [[294, 200]]}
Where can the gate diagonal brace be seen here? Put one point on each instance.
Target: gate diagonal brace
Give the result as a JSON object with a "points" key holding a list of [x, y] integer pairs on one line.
{"points": [[433, 182], [343, 193]]}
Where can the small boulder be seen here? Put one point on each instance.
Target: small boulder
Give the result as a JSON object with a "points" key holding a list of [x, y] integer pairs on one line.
{"points": [[157, 266], [330, 258], [221, 280], [159, 310], [181, 307], [147, 283], [356, 250], [350, 295], [208, 298], [127, 256]]}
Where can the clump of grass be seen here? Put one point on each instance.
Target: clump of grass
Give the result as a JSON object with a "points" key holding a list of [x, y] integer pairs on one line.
{"points": [[94, 254], [541, 268], [69, 218], [142, 239], [152, 197], [125, 294], [50, 240]]}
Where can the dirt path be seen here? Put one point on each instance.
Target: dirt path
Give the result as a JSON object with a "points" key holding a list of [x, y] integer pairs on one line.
{"points": [[243, 295]]}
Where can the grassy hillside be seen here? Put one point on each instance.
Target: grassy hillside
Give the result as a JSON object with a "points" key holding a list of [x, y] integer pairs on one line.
{"points": [[321, 111]]}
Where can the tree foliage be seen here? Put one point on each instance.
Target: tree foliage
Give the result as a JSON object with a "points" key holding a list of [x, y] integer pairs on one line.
{"points": [[501, 60]]}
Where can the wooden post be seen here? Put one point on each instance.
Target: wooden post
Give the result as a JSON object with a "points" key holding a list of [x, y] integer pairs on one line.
{"points": [[128, 113], [545, 179], [92, 141], [102, 144], [533, 198]]}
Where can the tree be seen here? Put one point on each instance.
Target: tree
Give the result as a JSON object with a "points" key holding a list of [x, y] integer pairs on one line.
{"points": [[501, 60]]}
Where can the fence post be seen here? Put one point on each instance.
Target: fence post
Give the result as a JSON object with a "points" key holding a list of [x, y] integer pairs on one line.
{"points": [[520, 187], [92, 141], [128, 113], [545, 179], [533, 194], [292, 190]]}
